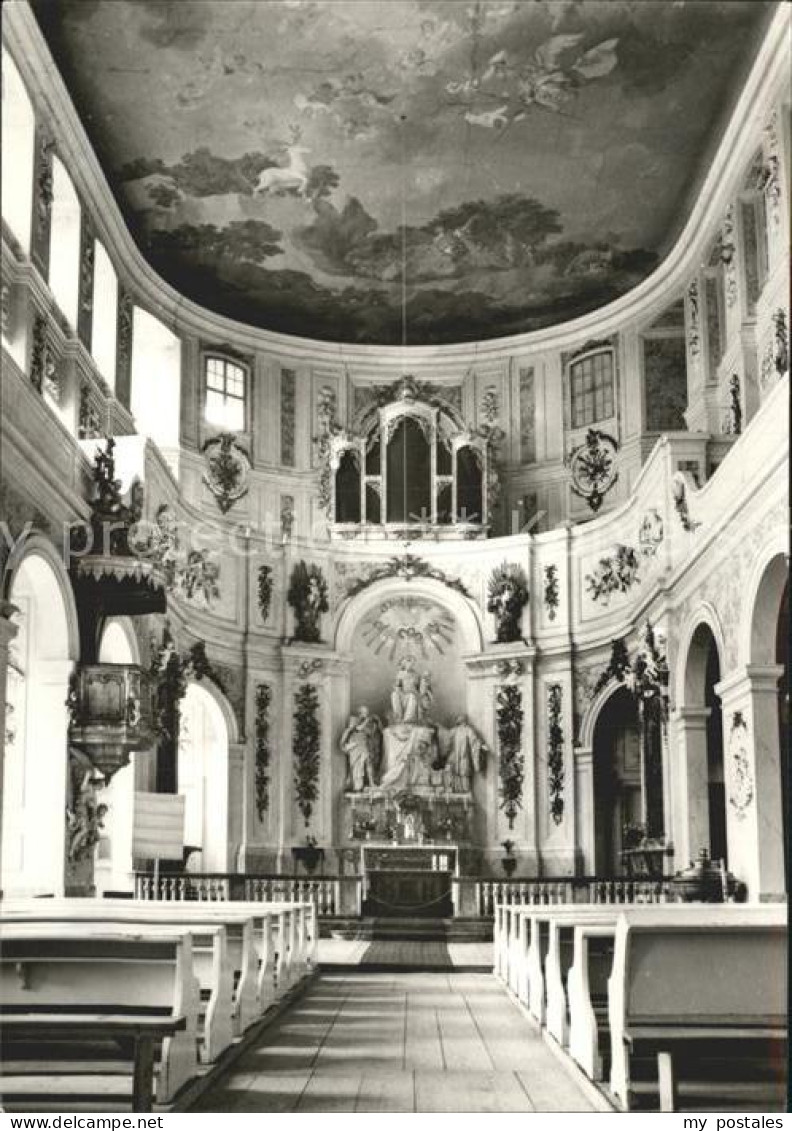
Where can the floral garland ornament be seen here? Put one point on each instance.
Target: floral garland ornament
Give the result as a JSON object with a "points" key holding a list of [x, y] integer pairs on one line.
{"points": [[555, 752], [679, 495], [405, 568], [263, 752], [305, 748], [614, 574], [307, 596], [511, 763], [227, 470], [265, 586], [507, 596], [741, 787], [592, 467], [328, 428], [551, 595]]}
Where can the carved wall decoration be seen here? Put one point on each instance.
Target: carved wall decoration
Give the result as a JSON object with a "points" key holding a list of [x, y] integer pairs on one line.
{"points": [[328, 426], [306, 746], [728, 256], [741, 786], [368, 398], [38, 349], [593, 467], [263, 753], [771, 171], [489, 405], [616, 573], [555, 752], [694, 320], [510, 669], [170, 672], [307, 596], [265, 587], [308, 668], [406, 568], [287, 517], [84, 812], [617, 667], [511, 761], [6, 311], [86, 281], [288, 407], [650, 532], [551, 592], [527, 416], [780, 342], [732, 419], [42, 200], [124, 333], [412, 624], [227, 469], [507, 596], [679, 494], [199, 577]]}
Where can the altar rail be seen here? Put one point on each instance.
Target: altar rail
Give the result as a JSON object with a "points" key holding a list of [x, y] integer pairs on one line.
{"points": [[343, 895], [333, 895], [478, 897]]}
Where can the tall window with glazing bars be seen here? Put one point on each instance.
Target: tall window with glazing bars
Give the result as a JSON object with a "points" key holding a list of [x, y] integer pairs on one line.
{"points": [[225, 394], [591, 387]]}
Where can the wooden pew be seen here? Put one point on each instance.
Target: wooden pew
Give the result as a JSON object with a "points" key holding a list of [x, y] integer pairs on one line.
{"points": [[220, 1016], [66, 970], [684, 983]]}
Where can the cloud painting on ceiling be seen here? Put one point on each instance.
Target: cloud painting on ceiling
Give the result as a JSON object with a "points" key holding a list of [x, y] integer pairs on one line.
{"points": [[308, 165]]}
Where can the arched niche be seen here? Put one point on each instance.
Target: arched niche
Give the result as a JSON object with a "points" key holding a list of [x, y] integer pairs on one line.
{"points": [[114, 864], [617, 780], [35, 768], [205, 733], [700, 749]]}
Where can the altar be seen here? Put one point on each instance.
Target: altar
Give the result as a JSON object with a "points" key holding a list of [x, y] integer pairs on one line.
{"points": [[410, 782], [408, 881]]}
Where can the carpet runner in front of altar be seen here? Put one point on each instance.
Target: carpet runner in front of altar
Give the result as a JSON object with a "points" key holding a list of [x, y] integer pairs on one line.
{"points": [[407, 944]]}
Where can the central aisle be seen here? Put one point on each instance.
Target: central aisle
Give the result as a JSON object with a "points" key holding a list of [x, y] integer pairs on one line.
{"points": [[403, 1042]]}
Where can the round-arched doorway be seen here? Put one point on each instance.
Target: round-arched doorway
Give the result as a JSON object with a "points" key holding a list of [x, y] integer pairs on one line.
{"points": [[203, 779], [618, 805], [35, 769]]}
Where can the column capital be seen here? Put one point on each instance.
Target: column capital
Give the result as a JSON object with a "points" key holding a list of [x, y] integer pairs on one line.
{"points": [[584, 756], [750, 680]]}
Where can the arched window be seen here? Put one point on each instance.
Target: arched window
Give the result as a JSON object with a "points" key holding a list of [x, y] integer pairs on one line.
{"points": [[409, 473], [19, 146], [591, 388], [64, 257], [105, 315], [156, 382], [224, 404]]}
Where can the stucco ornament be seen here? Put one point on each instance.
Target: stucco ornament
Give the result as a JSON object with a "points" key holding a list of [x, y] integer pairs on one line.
{"points": [[741, 786], [227, 470], [592, 466]]}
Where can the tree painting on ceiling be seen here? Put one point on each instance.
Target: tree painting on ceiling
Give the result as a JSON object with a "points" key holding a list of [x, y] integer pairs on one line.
{"points": [[520, 163]]}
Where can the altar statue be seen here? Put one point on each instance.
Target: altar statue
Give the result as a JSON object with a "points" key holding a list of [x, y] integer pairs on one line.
{"points": [[465, 752], [362, 744], [407, 693]]}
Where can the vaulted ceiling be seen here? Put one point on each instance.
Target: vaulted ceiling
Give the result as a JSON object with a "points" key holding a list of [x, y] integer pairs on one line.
{"points": [[320, 167]]}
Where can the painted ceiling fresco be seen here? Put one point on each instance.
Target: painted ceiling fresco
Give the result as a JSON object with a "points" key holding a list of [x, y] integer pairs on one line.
{"points": [[320, 167]]}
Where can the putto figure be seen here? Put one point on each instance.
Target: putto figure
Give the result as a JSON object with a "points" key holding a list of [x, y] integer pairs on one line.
{"points": [[362, 744]]}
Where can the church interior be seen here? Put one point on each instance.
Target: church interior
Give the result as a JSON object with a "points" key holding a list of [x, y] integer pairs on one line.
{"points": [[394, 619]]}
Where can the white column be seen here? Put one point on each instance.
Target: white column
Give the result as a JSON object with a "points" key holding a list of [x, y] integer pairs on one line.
{"points": [[584, 808], [754, 825], [7, 633], [688, 741]]}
